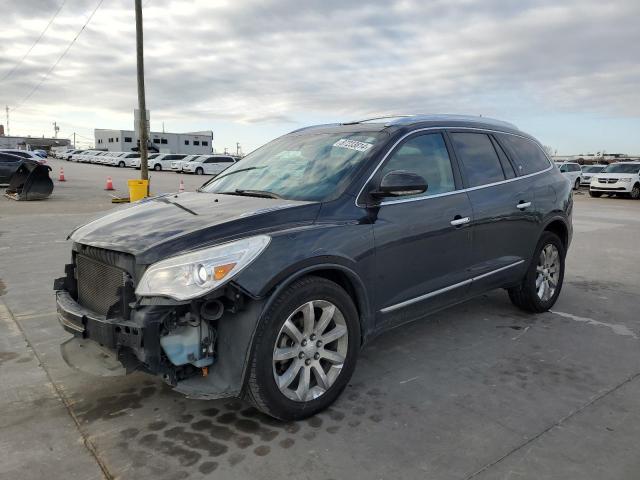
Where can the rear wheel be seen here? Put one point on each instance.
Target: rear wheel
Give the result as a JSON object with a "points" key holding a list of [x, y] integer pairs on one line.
{"points": [[305, 350], [542, 283], [595, 194], [635, 191], [199, 171]]}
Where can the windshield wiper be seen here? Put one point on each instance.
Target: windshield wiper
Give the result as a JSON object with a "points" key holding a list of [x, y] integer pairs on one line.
{"points": [[253, 193], [218, 177]]}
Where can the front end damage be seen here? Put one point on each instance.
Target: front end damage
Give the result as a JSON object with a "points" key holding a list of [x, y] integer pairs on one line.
{"points": [[199, 347]]}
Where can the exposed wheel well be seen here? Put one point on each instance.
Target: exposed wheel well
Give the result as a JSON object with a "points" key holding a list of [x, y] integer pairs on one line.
{"points": [[342, 279], [559, 228]]}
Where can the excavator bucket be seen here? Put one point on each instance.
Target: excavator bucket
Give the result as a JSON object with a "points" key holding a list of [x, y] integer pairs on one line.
{"points": [[30, 182]]}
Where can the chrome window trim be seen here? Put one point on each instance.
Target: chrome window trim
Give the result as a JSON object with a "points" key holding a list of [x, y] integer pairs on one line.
{"points": [[426, 296], [453, 192]]}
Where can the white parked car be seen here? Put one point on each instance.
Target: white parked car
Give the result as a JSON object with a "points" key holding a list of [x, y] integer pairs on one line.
{"points": [[572, 172], [162, 161], [124, 159], [208, 164], [69, 155], [588, 171], [84, 156], [100, 158], [622, 178], [177, 165]]}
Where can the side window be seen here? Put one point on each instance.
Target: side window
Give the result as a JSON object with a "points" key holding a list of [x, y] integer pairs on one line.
{"points": [[526, 154], [507, 168], [479, 159], [563, 168], [427, 156]]}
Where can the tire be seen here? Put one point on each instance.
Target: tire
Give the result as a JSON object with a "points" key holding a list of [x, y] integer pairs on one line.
{"points": [[199, 171], [121, 164], [595, 194], [526, 295], [261, 388], [576, 186], [157, 167], [635, 191]]}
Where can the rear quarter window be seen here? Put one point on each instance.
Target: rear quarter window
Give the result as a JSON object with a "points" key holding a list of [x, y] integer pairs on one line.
{"points": [[526, 154]]}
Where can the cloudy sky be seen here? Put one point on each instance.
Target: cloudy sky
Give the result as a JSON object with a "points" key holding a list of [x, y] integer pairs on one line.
{"points": [[566, 71]]}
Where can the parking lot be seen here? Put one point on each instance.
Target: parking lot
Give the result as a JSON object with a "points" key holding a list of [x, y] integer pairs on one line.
{"points": [[479, 391]]}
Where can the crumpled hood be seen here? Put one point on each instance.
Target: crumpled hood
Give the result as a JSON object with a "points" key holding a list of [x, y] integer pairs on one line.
{"points": [[162, 226]]}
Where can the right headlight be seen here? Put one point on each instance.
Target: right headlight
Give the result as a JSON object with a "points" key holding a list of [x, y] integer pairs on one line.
{"points": [[193, 274]]}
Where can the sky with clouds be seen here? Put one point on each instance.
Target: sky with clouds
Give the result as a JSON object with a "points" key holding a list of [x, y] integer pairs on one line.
{"points": [[567, 72]]}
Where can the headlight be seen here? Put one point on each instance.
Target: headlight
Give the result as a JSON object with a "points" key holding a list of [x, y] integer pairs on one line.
{"points": [[625, 179], [193, 274]]}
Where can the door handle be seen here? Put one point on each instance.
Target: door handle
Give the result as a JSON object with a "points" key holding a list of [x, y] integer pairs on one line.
{"points": [[458, 220], [523, 205]]}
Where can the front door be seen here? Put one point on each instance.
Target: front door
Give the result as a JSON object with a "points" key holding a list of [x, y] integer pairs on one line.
{"points": [[423, 242]]}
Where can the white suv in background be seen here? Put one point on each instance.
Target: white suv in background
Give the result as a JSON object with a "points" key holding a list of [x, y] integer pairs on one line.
{"points": [[177, 165], [208, 164], [622, 178], [571, 171], [588, 172], [162, 161]]}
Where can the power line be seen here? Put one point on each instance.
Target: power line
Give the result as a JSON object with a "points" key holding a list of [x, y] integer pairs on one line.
{"points": [[46, 75], [17, 65]]}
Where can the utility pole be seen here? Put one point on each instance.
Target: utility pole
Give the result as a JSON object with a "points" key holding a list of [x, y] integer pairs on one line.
{"points": [[74, 140], [56, 129], [6, 107], [237, 149], [142, 103]]}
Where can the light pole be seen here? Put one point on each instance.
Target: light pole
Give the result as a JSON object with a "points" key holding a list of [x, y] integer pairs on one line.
{"points": [[142, 103]]}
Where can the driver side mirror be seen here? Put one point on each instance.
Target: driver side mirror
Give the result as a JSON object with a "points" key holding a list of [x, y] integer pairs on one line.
{"points": [[400, 183]]}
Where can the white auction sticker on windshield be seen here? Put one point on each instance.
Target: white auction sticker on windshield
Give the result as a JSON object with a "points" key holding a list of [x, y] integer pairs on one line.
{"points": [[353, 145]]}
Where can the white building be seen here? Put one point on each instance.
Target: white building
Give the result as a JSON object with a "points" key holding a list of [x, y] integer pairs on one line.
{"points": [[124, 140]]}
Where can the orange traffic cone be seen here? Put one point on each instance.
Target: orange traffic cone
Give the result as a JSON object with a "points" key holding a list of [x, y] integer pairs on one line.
{"points": [[181, 188], [109, 185], [61, 177]]}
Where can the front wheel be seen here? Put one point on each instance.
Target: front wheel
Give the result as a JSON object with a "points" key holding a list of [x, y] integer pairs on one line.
{"points": [[595, 194], [576, 186], [635, 192], [157, 167], [305, 350], [121, 164], [542, 283]]}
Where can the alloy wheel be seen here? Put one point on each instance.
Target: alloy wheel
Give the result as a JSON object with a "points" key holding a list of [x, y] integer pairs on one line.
{"points": [[548, 272], [310, 350]]}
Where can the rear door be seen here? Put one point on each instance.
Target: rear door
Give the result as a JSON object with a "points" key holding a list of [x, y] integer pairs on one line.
{"points": [[422, 242], [503, 213]]}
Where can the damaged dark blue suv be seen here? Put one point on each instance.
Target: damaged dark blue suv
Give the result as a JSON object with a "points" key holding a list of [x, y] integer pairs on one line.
{"points": [[267, 281]]}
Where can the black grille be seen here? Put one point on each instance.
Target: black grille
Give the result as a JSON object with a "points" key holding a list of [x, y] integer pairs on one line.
{"points": [[99, 284], [607, 180]]}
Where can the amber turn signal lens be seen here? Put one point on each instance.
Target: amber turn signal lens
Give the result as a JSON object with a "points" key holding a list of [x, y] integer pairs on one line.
{"points": [[221, 271]]}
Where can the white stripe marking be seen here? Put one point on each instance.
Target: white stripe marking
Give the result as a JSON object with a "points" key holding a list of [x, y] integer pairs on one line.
{"points": [[617, 328]]}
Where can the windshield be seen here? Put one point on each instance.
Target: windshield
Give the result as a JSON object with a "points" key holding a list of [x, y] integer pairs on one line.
{"points": [[307, 166], [593, 169], [622, 168]]}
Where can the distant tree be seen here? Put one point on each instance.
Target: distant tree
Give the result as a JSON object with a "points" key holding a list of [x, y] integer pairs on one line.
{"points": [[548, 150]]}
